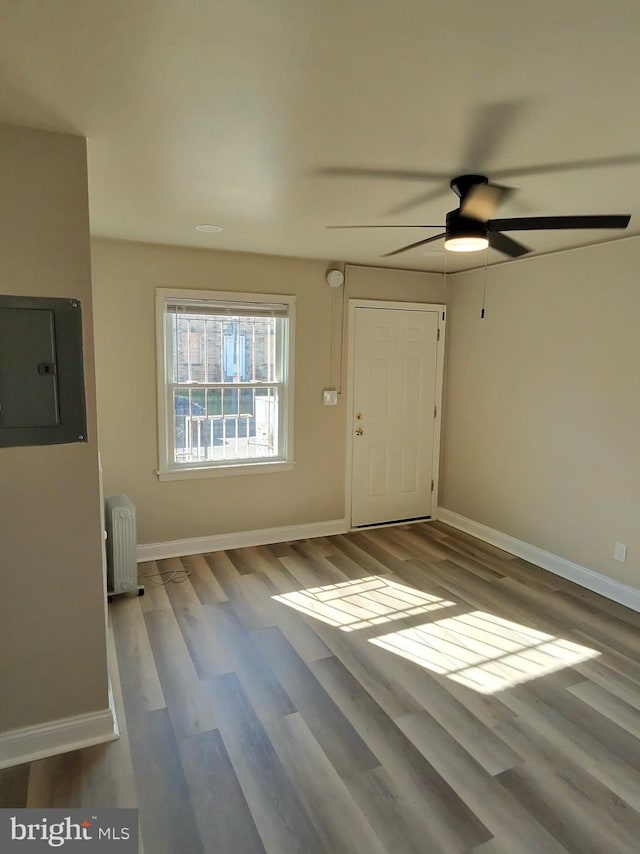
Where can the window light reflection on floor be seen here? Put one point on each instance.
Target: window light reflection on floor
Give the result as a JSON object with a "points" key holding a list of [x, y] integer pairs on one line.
{"points": [[351, 605], [477, 649], [484, 652]]}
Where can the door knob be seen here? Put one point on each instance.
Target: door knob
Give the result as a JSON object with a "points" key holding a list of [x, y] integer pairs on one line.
{"points": [[359, 431]]}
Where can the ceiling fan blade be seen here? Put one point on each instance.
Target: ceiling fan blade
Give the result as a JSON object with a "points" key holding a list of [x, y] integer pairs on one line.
{"points": [[571, 166], [491, 123], [422, 199], [395, 174], [483, 200], [414, 245], [535, 223], [419, 225], [505, 244]]}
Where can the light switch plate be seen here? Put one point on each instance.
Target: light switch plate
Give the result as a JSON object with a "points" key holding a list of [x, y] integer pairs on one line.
{"points": [[620, 552], [330, 397]]}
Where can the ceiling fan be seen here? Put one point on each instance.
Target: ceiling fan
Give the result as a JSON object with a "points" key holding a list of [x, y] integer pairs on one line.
{"points": [[471, 226]]}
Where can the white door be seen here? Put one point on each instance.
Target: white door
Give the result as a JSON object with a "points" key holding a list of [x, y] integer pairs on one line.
{"points": [[395, 384]]}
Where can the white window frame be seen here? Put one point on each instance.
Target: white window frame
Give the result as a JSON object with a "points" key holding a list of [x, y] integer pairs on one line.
{"points": [[168, 469]]}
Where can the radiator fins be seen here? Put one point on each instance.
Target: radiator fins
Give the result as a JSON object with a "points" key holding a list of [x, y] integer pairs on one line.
{"points": [[120, 521]]}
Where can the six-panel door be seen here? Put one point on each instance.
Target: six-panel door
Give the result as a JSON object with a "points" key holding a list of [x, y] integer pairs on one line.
{"points": [[393, 414]]}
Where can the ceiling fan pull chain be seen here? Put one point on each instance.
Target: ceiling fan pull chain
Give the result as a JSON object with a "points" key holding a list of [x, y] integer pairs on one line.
{"points": [[444, 278], [484, 287]]}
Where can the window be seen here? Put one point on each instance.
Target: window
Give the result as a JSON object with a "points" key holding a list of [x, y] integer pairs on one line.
{"points": [[224, 383]]}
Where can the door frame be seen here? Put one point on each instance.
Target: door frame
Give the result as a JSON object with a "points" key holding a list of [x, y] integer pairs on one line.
{"points": [[404, 306]]}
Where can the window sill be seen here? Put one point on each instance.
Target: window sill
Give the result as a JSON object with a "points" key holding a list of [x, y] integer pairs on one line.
{"points": [[226, 471]]}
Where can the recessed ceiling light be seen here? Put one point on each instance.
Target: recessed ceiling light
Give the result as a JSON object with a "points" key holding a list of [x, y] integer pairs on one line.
{"points": [[209, 228]]}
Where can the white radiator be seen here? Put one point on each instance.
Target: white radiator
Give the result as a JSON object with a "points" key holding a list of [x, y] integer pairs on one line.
{"points": [[122, 568]]}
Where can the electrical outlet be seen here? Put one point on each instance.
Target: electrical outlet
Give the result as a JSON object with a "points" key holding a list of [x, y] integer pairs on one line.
{"points": [[330, 397], [620, 552]]}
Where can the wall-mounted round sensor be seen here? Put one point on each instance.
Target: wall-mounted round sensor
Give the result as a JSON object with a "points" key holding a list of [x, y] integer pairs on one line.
{"points": [[335, 278], [209, 228]]}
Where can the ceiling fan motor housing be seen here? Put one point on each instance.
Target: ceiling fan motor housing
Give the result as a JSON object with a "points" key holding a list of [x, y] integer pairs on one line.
{"points": [[463, 183], [465, 226]]}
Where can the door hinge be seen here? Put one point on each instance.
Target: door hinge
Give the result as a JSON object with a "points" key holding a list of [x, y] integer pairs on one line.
{"points": [[432, 485], [435, 411], [438, 336]]}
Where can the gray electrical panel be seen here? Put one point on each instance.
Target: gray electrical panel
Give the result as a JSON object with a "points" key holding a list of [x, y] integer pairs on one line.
{"points": [[41, 371]]}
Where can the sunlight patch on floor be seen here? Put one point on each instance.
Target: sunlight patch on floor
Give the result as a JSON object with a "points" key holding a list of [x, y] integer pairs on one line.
{"points": [[371, 601], [483, 651]]}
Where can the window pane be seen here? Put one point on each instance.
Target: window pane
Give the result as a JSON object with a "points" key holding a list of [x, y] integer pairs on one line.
{"points": [[198, 405], [230, 353], [196, 343], [190, 424], [212, 349], [203, 433], [214, 401], [230, 401], [264, 349], [213, 333], [267, 422], [246, 401]]}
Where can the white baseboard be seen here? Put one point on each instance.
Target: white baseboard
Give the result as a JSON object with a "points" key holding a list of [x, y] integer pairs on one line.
{"points": [[239, 540], [27, 744], [615, 590]]}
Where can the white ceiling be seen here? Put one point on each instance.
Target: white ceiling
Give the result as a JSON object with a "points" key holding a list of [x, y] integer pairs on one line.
{"points": [[228, 112]]}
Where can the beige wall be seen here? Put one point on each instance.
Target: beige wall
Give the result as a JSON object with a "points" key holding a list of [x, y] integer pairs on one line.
{"points": [[542, 430], [125, 278], [52, 644]]}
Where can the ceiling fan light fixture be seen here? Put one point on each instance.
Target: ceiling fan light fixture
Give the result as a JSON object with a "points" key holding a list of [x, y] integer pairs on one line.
{"points": [[462, 243], [465, 234]]}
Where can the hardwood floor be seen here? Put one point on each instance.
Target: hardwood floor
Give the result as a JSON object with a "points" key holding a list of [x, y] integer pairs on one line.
{"points": [[405, 689]]}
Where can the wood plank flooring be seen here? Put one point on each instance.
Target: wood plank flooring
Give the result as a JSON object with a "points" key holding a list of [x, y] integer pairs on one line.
{"points": [[406, 689]]}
